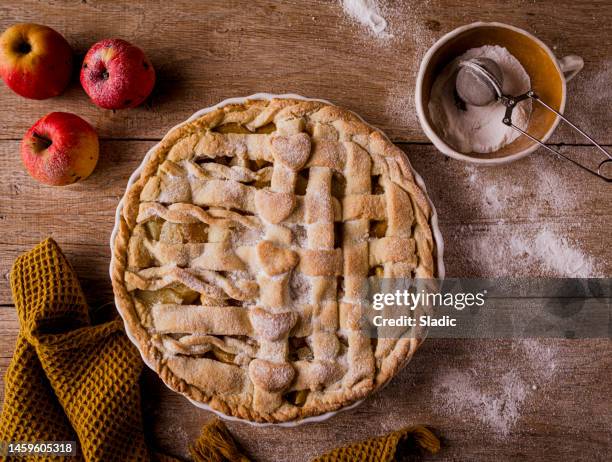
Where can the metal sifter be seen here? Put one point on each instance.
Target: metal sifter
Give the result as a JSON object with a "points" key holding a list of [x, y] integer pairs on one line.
{"points": [[479, 83]]}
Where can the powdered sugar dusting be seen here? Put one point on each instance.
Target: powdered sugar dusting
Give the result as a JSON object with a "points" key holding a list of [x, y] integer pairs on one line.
{"points": [[407, 31], [491, 196], [510, 250], [178, 435], [499, 193], [497, 404], [499, 409], [514, 249], [367, 13], [542, 354], [415, 35], [553, 253], [588, 103], [382, 21]]}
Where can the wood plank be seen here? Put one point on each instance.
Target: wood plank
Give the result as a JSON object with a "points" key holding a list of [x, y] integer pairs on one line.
{"points": [[541, 400], [208, 53], [482, 211], [79, 217], [8, 338]]}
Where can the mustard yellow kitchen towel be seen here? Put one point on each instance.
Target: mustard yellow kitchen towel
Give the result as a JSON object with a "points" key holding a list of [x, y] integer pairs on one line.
{"points": [[386, 448], [70, 380]]}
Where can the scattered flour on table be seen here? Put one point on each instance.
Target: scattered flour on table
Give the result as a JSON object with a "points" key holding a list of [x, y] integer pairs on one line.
{"points": [[381, 22], [415, 37], [491, 196], [499, 409], [368, 14], [553, 253], [180, 439], [519, 252], [412, 37], [498, 405], [510, 250], [502, 193], [472, 175], [588, 102], [542, 354], [406, 31]]}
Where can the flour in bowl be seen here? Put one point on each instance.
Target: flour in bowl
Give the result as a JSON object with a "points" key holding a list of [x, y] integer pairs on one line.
{"points": [[473, 128]]}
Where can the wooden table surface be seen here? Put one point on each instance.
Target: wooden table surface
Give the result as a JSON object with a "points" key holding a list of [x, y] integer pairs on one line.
{"points": [[490, 399]]}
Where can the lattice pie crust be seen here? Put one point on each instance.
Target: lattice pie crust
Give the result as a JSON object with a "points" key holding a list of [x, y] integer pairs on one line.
{"points": [[243, 246]]}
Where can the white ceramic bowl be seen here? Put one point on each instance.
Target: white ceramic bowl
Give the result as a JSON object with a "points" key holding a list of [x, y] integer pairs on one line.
{"points": [[266, 96], [548, 79]]}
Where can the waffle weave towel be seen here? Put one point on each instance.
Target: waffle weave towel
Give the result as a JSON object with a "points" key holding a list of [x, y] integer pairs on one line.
{"points": [[70, 380]]}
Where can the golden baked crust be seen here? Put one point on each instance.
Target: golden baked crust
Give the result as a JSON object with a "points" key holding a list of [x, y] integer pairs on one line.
{"points": [[245, 242]]}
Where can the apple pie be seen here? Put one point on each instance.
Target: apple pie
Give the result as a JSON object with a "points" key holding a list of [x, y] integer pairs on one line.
{"points": [[244, 245]]}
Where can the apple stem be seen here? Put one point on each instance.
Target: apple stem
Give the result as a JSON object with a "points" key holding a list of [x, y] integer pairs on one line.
{"points": [[40, 142]]}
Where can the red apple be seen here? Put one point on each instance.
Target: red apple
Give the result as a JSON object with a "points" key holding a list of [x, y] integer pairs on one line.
{"points": [[60, 149], [116, 74], [35, 61]]}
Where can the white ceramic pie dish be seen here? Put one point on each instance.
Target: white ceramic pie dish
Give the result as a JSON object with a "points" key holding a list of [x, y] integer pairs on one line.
{"points": [[240, 100]]}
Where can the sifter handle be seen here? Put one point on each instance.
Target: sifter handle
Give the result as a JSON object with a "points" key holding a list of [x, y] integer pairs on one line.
{"points": [[602, 170]]}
